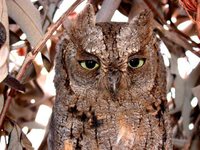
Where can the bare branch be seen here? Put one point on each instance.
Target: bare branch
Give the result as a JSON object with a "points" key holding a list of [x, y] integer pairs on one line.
{"points": [[107, 10]]}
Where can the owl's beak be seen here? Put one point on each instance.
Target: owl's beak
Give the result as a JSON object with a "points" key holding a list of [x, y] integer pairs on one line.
{"points": [[113, 81]]}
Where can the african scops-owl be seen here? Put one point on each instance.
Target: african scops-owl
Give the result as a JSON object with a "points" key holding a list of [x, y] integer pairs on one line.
{"points": [[110, 87]]}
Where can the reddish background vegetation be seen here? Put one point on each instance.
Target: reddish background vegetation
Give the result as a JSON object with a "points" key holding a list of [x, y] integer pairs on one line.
{"points": [[26, 63]]}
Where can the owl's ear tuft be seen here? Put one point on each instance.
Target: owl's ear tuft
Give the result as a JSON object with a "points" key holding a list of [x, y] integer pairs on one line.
{"points": [[144, 19], [86, 17]]}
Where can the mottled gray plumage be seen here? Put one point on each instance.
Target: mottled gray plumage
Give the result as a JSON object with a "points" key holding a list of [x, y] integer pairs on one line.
{"points": [[119, 101]]}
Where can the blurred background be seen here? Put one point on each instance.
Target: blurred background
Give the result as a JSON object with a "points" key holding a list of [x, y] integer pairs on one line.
{"points": [[176, 25]]}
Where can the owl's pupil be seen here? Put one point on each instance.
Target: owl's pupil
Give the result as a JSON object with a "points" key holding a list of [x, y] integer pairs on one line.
{"points": [[90, 64], [134, 62]]}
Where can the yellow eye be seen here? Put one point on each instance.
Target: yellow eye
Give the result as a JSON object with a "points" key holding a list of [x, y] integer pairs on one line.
{"points": [[89, 64], [136, 62]]}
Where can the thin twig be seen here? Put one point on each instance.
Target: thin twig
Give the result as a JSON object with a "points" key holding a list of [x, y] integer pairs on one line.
{"points": [[31, 55]]}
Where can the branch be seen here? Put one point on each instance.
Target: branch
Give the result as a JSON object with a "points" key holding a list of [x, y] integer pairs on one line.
{"points": [[31, 55], [107, 10], [155, 10]]}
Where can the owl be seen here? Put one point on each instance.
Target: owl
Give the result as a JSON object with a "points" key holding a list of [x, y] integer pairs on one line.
{"points": [[110, 87]]}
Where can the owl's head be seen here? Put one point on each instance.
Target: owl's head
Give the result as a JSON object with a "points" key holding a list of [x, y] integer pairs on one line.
{"points": [[108, 57]]}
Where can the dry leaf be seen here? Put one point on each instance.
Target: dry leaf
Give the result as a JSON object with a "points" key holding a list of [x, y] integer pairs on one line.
{"points": [[14, 83], [191, 81], [25, 142], [179, 84], [3, 68], [1, 102], [14, 140], [28, 18], [4, 52], [4, 49], [33, 125], [17, 111], [7, 126], [2, 34], [179, 142], [17, 139]]}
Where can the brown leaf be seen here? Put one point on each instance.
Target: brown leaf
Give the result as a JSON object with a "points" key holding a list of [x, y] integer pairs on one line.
{"points": [[7, 126], [4, 49], [29, 74], [25, 142], [47, 64], [191, 81], [33, 125], [28, 18], [14, 83], [179, 84], [14, 38], [2, 34], [1, 102], [14, 139], [179, 142], [16, 111], [3, 68], [17, 139]]}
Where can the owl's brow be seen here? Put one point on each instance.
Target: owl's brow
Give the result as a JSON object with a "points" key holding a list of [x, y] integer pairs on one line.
{"points": [[141, 53], [83, 55]]}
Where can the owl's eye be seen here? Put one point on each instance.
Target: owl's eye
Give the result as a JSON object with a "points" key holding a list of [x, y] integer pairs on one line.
{"points": [[136, 62], [89, 64]]}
